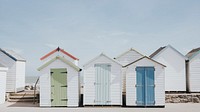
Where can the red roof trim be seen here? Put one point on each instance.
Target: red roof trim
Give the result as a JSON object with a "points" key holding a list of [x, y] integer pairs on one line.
{"points": [[68, 54], [58, 49]]}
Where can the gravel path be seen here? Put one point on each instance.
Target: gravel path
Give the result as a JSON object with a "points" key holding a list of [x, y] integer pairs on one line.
{"points": [[29, 107]]}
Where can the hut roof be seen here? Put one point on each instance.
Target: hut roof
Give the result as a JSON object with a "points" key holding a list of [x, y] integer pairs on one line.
{"points": [[162, 49], [63, 60], [59, 50], [193, 53], [13, 55]]}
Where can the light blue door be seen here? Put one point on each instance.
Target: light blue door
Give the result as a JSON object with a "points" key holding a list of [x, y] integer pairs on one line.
{"points": [[140, 87], [150, 95], [145, 86], [102, 84]]}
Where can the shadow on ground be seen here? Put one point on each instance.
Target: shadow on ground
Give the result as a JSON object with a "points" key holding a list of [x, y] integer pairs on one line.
{"points": [[23, 104]]}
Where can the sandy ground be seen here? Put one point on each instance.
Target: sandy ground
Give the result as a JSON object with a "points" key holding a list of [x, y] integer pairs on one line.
{"points": [[30, 107]]}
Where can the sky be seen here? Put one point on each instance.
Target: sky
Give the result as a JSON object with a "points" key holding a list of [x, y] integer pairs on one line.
{"points": [[86, 28]]}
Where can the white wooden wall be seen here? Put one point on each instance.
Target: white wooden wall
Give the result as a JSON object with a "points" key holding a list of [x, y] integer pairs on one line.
{"points": [[20, 75], [2, 84], [116, 82], [159, 82], [11, 74], [194, 74], [175, 72], [72, 80], [129, 57]]}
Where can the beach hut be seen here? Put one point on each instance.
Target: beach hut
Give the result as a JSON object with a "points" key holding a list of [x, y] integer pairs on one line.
{"points": [[15, 79], [59, 81], [175, 72], [129, 56], [3, 72], [102, 81], [125, 58], [193, 70], [145, 83]]}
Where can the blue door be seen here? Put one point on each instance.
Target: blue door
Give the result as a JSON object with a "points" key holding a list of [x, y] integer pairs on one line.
{"points": [[140, 87], [145, 86]]}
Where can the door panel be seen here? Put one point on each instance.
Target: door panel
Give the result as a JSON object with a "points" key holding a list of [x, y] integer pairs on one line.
{"points": [[59, 87], [150, 95], [145, 86], [140, 89], [102, 84]]}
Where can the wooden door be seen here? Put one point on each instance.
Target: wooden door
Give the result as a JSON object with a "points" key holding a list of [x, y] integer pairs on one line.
{"points": [[59, 87]]}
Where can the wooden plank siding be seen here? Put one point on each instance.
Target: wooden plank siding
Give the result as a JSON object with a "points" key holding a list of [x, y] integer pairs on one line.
{"points": [[131, 96], [72, 82], [194, 74], [3, 73], [175, 72], [116, 81]]}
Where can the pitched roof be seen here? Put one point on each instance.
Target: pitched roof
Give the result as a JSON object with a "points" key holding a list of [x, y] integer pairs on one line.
{"points": [[59, 50], [102, 54], [193, 53], [162, 49], [63, 60], [131, 49], [157, 51], [12, 55], [143, 58]]}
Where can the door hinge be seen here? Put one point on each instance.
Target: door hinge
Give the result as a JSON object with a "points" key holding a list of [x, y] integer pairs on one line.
{"points": [[64, 72], [51, 73], [64, 99]]}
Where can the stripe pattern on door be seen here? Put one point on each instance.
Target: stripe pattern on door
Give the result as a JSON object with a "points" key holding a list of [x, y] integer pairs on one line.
{"points": [[145, 88], [102, 84]]}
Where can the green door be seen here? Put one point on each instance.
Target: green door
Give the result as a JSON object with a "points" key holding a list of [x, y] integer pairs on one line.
{"points": [[102, 84], [59, 87]]}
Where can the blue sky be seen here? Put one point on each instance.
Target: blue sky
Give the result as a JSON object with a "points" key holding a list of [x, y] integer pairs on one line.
{"points": [[85, 28]]}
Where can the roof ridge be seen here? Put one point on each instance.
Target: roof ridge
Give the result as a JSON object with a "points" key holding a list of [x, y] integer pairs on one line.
{"points": [[59, 50], [141, 59], [12, 54], [62, 59], [102, 54], [157, 51], [131, 49]]}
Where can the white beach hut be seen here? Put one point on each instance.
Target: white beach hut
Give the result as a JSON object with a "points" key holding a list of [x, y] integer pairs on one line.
{"points": [[3, 72], [129, 56], [59, 80], [193, 70], [175, 72], [15, 79], [102, 81], [145, 83], [125, 58]]}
